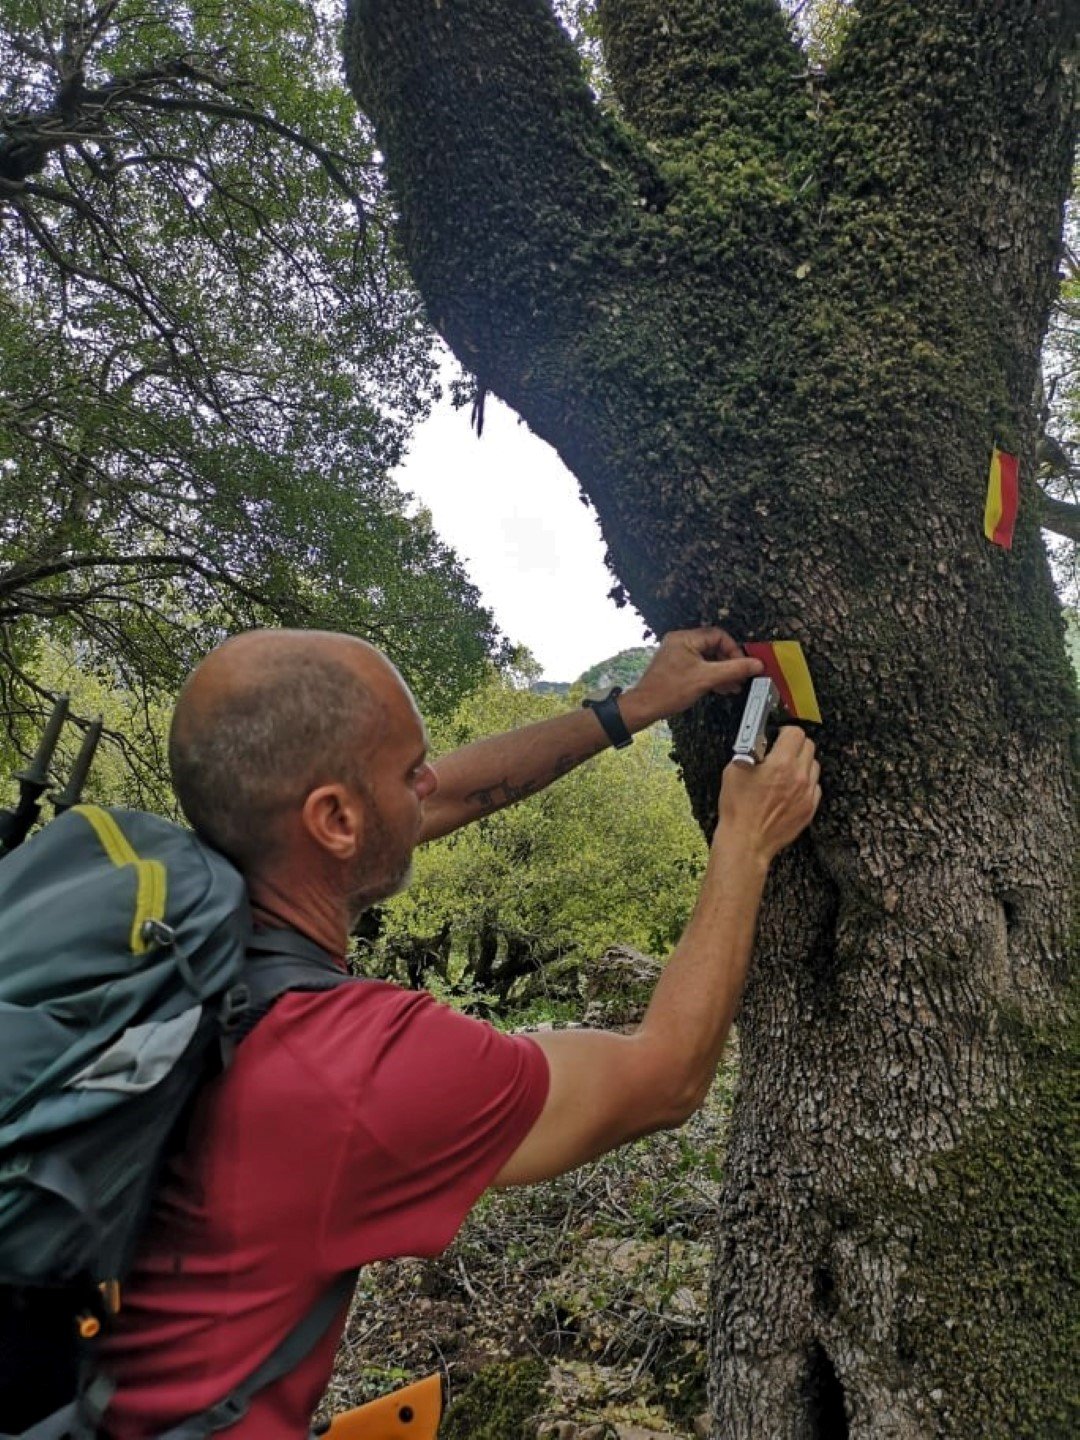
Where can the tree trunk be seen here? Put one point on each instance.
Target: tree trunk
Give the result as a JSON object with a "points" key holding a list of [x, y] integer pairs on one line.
{"points": [[774, 322]]}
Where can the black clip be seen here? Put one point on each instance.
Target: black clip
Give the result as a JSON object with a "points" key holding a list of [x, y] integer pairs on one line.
{"points": [[234, 1006]]}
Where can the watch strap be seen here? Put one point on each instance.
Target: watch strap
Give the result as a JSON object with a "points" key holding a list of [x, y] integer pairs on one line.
{"points": [[607, 712]]}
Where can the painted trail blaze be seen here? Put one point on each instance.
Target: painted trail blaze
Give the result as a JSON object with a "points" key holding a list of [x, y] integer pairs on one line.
{"points": [[785, 664], [1002, 493]]}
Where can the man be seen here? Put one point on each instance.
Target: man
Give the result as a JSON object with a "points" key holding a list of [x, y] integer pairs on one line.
{"points": [[363, 1122]]}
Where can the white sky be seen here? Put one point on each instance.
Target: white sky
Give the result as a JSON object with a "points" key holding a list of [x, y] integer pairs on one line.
{"points": [[510, 508]]}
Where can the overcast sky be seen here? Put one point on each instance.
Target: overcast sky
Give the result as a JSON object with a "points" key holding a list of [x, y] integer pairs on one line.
{"points": [[511, 510]]}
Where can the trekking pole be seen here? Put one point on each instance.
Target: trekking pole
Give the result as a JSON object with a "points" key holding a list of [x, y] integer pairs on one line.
{"points": [[72, 792], [33, 782]]}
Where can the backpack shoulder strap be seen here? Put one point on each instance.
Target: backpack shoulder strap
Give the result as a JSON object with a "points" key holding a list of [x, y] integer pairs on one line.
{"points": [[295, 1347], [279, 961]]}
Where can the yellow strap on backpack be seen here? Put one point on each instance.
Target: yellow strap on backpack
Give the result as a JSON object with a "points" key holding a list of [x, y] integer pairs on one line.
{"points": [[409, 1414], [151, 879]]}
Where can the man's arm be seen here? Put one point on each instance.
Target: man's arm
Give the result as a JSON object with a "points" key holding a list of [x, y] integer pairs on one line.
{"points": [[606, 1089], [495, 772]]}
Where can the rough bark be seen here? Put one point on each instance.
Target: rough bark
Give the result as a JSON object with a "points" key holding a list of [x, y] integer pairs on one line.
{"points": [[774, 321]]}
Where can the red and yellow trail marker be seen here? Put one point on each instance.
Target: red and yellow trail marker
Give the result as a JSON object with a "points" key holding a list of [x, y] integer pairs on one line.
{"points": [[785, 664], [1002, 494]]}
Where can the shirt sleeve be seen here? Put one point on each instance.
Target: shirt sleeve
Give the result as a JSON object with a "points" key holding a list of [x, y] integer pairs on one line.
{"points": [[439, 1105]]}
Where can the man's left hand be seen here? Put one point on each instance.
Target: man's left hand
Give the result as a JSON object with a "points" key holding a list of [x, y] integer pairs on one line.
{"points": [[688, 665]]}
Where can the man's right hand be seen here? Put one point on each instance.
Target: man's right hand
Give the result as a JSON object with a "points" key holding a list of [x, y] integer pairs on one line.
{"points": [[767, 806]]}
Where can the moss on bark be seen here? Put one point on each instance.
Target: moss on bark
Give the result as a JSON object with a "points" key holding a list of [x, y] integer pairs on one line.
{"points": [[986, 1319]]}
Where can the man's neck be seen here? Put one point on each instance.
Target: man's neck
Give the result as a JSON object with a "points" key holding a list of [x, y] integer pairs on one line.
{"points": [[317, 914]]}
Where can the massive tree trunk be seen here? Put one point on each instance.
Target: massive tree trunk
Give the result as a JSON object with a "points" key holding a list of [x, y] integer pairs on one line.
{"points": [[774, 322]]}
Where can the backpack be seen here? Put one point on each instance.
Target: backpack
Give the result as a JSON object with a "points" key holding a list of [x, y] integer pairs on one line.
{"points": [[128, 972]]}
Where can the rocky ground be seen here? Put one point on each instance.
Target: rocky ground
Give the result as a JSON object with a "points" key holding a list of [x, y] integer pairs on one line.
{"points": [[574, 1310]]}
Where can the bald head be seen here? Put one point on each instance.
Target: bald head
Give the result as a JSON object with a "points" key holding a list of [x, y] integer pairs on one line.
{"points": [[267, 717]]}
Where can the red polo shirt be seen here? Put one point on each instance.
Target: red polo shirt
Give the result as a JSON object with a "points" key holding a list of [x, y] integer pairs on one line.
{"points": [[354, 1125]]}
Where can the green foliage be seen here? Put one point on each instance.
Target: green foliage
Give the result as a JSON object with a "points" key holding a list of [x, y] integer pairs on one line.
{"points": [[1059, 442], [210, 357], [130, 767], [610, 853], [822, 24]]}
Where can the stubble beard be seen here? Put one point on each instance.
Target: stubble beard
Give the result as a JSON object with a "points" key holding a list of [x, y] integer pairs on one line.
{"points": [[372, 881]]}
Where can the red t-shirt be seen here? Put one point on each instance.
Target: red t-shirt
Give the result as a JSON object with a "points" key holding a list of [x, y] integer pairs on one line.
{"points": [[354, 1125]]}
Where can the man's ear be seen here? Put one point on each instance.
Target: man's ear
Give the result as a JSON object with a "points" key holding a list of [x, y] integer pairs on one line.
{"points": [[334, 817]]}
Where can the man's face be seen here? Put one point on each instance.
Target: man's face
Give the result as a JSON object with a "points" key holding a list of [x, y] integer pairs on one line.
{"points": [[400, 779]]}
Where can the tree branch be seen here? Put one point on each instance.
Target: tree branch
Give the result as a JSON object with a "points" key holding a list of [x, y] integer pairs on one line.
{"points": [[937, 104], [1061, 517], [498, 108], [566, 269], [246, 115], [19, 576], [684, 67], [33, 137]]}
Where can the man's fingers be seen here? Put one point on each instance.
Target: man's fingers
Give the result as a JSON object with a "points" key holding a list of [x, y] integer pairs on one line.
{"points": [[723, 644], [790, 741], [731, 674], [709, 642]]}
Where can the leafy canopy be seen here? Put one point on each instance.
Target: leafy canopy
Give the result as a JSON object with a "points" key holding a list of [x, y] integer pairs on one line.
{"points": [[210, 357]]}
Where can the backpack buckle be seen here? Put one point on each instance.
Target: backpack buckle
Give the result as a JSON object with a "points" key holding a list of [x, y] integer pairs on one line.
{"points": [[158, 934], [110, 1296], [235, 1004], [228, 1411]]}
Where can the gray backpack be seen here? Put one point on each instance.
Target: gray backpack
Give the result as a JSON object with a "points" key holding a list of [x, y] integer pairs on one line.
{"points": [[128, 971]]}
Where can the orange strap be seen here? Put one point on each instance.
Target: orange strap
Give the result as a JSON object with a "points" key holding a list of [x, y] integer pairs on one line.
{"points": [[410, 1414]]}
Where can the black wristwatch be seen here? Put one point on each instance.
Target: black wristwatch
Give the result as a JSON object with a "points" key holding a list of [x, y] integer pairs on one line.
{"points": [[607, 712]]}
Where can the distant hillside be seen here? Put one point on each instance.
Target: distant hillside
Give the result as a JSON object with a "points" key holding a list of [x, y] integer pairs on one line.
{"points": [[625, 669]]}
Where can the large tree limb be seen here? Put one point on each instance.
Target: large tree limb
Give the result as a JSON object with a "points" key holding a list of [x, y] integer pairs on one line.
{"points": [[936, 103], [681, 67], [497, 105], [544, 248]]}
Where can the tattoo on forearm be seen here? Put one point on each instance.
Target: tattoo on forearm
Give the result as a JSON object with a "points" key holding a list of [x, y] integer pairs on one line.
{"points": [[504, 792]]}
